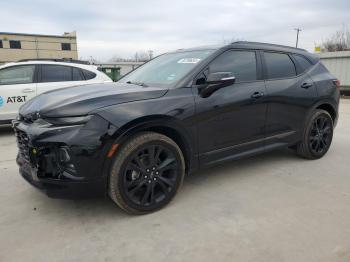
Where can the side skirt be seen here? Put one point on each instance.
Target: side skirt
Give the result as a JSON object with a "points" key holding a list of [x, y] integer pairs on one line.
{"points": [[237, 151]]}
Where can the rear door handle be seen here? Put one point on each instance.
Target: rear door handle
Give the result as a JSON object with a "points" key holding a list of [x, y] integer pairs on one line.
{"points": [[257, 95], [27, 90], [306, 85]]}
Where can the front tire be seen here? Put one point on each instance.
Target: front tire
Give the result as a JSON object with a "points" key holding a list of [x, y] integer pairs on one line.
{"points": [[317, 136], [146, 173]]}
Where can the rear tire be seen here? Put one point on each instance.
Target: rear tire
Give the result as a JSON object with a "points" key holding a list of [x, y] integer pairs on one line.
{"points": [[146, 173], [317, 135]]}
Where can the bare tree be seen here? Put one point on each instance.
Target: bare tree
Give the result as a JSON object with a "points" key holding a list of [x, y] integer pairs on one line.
{"points": [[226, 41], [116, 59], [339, 41], [142, 56]]}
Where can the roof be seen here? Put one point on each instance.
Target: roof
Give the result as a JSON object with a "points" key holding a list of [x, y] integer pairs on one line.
{"points": [[248, 45], [257, 46], [36, 62], [24, 34], [266, 46]]}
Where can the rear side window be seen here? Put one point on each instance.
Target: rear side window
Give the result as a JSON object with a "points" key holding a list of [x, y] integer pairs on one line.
{"points": [[88, 74], [17, 75], [77, 74], [1, 44], [55, 73], [242, 64], [279, 65], [303, 63]]}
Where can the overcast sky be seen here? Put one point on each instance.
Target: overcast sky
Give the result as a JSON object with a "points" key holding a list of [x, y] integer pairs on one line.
{"points": [[108, 28]]}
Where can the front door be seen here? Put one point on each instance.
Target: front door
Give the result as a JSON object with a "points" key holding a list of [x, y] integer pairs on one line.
{"points": [[17, 86], [231, 121]]}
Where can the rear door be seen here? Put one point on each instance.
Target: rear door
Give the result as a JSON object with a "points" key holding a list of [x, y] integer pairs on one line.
{"points": [[58, 76], [17, 85], [290, 92]]}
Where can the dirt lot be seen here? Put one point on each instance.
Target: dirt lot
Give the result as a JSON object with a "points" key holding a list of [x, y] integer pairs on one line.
{"points": [[274, 207]]}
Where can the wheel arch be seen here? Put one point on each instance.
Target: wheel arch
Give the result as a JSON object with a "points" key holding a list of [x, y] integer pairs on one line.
{"points": [[327, 105], [330, 109], [165, 125]]}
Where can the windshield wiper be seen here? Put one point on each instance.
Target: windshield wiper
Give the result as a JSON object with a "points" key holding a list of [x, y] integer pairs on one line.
{"points": [[137, 83]]}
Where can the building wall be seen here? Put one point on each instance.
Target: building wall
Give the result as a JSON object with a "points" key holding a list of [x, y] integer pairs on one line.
{"points": [[37, 46], [338, 63]]}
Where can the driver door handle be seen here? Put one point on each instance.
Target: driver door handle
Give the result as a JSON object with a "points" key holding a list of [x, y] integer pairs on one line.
{"points": [[257, 95]]}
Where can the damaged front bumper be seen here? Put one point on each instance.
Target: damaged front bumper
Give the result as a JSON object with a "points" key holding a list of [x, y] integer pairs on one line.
{"points": [[64, 161]]}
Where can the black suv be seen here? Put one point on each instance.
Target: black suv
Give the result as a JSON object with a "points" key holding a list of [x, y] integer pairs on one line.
{"points": [[184, 110]]}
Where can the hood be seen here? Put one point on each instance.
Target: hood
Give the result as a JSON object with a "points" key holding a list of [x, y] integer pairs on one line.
{"points": [[80, 100]]}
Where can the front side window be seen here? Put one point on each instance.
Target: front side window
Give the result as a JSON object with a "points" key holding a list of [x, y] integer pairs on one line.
{"points": [[56, 73], [279, 65], [17, 75], [242, 64], [66, 46], [1, 46], [14, 44], [166, 70]]}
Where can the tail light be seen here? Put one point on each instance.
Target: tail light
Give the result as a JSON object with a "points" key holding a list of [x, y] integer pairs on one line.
{"points": [[336, 82]]}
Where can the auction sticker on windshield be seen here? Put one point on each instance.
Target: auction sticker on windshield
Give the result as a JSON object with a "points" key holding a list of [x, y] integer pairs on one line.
{"points": [[189, 61]]}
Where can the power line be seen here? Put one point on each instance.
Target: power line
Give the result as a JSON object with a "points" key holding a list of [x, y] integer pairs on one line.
{"points": [[298, 30]]}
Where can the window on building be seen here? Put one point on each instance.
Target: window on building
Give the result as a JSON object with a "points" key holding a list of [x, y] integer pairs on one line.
{"points": [[14, 44], [242, 64], [1, 44], [279, 65], [56, 73], [66, 46], [17, 75]]}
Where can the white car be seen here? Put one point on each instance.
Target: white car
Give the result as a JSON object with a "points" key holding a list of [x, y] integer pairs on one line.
{"points": [[21, 81]]}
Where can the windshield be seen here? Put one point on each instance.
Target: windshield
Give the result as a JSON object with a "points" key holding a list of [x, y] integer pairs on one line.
{"points": [[165, 70]]}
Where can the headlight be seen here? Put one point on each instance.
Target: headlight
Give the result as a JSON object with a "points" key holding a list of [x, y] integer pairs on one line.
{"points": [[73, 120]]}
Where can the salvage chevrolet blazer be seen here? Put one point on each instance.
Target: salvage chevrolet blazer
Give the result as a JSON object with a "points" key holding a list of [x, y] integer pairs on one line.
{"points": [[136, 139]]}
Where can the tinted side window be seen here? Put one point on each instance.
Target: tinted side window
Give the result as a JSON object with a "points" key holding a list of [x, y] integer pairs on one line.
{"points": [[279, 65], [17, 75], [55, 73], [1, 44], [77, 75], [303, 63], [241, 63], [88, 74]]}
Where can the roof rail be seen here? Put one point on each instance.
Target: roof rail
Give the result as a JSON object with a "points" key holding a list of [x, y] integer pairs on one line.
{"points": [[65, 60], [267, 44]]}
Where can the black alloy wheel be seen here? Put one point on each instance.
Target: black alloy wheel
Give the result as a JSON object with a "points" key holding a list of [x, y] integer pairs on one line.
{"points": [[320, 135], [317, 137], [150, 175], [147, 173]]}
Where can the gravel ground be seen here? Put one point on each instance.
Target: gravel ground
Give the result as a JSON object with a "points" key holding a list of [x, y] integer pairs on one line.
{"points": [[273, 207]]}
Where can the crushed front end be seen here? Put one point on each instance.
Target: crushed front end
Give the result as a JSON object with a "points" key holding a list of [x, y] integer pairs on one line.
{"points": [[64, 159]]}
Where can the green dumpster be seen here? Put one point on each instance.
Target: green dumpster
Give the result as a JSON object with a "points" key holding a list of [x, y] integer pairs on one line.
{"points": [[112, 72]]}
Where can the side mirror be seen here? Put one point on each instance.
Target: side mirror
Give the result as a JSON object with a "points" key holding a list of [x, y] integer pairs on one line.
{"points": [[215, 81]]}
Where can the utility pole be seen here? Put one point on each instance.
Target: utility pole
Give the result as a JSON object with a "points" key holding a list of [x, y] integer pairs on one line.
{"points": [[298, 30]]}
